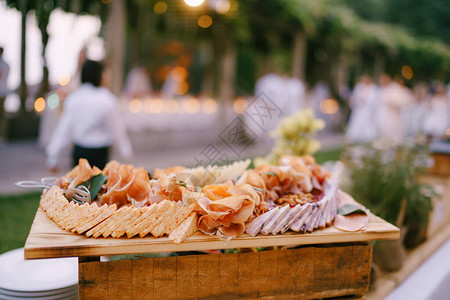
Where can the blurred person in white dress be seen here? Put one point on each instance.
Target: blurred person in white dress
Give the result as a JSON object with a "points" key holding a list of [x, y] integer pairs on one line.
{"points": [[362, 126], [137, 84], [393, 99], [4, 73], [286, 92], [415, 113], [91, 122], [437, 118]]}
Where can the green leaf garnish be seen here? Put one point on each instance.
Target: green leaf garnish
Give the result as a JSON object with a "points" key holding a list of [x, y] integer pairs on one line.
{"points": [[94, 184], [272, 173], [348, 209]]}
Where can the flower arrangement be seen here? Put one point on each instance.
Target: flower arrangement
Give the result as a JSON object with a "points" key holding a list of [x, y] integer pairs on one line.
{"points": [[294, 136]]}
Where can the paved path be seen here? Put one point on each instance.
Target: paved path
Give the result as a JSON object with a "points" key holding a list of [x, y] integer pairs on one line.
{"points": [[25, 160]]}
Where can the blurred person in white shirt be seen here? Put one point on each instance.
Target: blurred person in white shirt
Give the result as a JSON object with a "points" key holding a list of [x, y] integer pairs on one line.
{"points": [[362, 125], [4, 72], [393, 99], [437, 118], [91, 121]]}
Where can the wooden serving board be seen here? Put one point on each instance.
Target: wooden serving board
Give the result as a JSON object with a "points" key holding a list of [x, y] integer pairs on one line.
{"points": [[47, 240]]}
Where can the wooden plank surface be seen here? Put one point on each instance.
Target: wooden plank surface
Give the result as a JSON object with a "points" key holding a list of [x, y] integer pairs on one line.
{"points": [[47, 240], [309, 272]]}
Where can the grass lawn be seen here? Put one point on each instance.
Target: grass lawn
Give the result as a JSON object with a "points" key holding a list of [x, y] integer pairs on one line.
{"points": [[16, 215], [17, 211]]}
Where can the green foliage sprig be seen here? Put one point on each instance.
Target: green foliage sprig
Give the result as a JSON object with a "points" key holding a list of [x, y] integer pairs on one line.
{"points": [[382, 175]]}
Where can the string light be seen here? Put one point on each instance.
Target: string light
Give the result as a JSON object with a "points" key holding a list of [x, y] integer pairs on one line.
{"points": [[135, 106], [160, 7], [407, 72], [53, 101], [204, 21], [39, 104], [240, 105], [329, 106], [194, 3], [210, 106]]}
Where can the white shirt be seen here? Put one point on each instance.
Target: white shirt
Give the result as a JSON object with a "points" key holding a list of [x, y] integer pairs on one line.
{"points": [[4, 72], [91, 118]]}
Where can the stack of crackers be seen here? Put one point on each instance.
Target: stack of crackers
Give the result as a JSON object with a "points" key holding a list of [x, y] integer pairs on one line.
{"points": [[175, 219]]}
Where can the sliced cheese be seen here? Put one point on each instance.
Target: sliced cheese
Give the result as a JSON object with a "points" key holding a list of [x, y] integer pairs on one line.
{"points": [[187, 228]]}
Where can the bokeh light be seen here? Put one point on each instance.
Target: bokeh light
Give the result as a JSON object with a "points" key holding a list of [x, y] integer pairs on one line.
{"points": [[329, 106], [407, 72], [209, 106], [53, 101], [160, 7], [192, 106], [223, 6], [171, 106], [39, 104], [135, 106], [155, 106], [182, 88], [64, 79], [240, 105], [194, 3], [179, 73], [204, 21]]}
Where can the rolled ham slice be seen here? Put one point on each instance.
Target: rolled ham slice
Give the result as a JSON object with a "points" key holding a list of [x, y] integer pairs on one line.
{"points": [[296, 217], [292, 212], [274, 221], [297, 225], [254, 227], [309, 224], [323, 205], [323, 218]]}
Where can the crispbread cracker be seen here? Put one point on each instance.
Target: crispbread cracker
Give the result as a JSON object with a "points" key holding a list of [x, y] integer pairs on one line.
{"points": [[131, 231], [158, 212], [98, 229], [172, 221], [171, 211], [113, 221], [69, 220], [63, 212], [99, 218], [183, 213], [85, 213], [70, 211], [113, 226], [137, 212], [146, 226], [93, 213], [187, 228]]}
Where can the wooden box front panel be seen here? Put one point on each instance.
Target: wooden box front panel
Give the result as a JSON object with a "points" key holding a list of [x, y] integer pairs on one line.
{"points": [[306, 273]]}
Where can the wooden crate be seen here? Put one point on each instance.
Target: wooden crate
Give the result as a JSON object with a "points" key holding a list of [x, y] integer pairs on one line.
{"points": [[309, 272], [441, 165], [440, 214]]}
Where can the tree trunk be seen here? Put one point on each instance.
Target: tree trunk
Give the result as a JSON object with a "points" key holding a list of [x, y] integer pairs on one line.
{"points": [[23, 93], [43, 18], [299, 56], [226, 82], [379, 65], [116, 38]]}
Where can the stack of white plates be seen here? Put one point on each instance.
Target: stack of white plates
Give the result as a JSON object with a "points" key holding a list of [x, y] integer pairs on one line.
{"points": [[37, 279]]}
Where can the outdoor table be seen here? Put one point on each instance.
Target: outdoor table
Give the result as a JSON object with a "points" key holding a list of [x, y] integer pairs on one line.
{"points": [[325, 263]]}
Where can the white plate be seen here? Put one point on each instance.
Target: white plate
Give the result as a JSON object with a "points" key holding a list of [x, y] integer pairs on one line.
{"points": [[17, 274], [73, 288], [65, 296]]}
